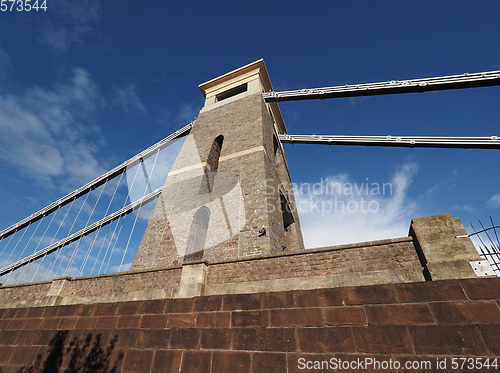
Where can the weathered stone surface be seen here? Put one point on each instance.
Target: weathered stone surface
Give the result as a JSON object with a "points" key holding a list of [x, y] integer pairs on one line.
{"points": [[257, 331], [193, 279], [241, 186], [444, 247]]}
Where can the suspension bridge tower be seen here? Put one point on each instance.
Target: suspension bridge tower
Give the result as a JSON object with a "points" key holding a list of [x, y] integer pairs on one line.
{"points": [[228, 195]]}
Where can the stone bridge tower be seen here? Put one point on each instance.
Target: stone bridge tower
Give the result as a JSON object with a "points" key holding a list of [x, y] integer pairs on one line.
{"points": [[228, 195]]}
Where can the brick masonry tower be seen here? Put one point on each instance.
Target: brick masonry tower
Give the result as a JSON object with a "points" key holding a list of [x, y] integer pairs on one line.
{"points": [[229, 194]]}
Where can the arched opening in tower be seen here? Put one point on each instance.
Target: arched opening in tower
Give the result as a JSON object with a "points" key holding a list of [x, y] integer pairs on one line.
{"points": [[197, 235], [212, 165]]}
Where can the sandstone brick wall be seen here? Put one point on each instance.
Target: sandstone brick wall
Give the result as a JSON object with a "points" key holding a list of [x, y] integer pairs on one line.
{"points": [[386, 255], [265, 332], [123, 282], [24, 292], [105, 288]]}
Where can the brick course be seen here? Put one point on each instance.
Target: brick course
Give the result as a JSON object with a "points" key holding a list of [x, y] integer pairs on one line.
{"points": [[24, 292], [356, 258], [258, 332], [122, 283]]}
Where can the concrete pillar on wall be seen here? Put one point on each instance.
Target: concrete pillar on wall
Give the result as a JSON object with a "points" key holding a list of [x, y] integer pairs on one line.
{"points": [[228, 194], [443, 253], [56, 290], [193, 281]]}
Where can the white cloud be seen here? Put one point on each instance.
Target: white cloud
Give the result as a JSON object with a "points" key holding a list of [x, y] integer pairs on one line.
{"points": [[70, 20], [187, 112], [355, 101], [467, 208], [120, 267], [340, 210], [126, 98], [43, 133], [494, 201]]}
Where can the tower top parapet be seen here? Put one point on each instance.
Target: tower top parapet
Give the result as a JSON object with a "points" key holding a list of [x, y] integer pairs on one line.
{"points": [[231, 86]]}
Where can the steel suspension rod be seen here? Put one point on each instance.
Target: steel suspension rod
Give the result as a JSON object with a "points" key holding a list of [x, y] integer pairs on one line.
{"points": [[484, 79], [81, 233], [94, 183], [492, 142]]}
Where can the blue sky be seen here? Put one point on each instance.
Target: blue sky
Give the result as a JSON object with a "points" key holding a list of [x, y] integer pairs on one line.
{"points": [[89, 84]]}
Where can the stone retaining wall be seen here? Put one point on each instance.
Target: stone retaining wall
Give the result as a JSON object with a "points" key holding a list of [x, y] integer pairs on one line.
{"points": [[367, 263], [364, 257], [263, 332]]}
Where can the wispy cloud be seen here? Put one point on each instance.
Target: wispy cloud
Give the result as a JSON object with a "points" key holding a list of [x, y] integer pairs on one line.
{"points": [[69, 22], [355, 101], [44, 133], [494, 201], [120, 268], [467, 208], [127, 98], [187, 112], [338, 209], [176, 117]]}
